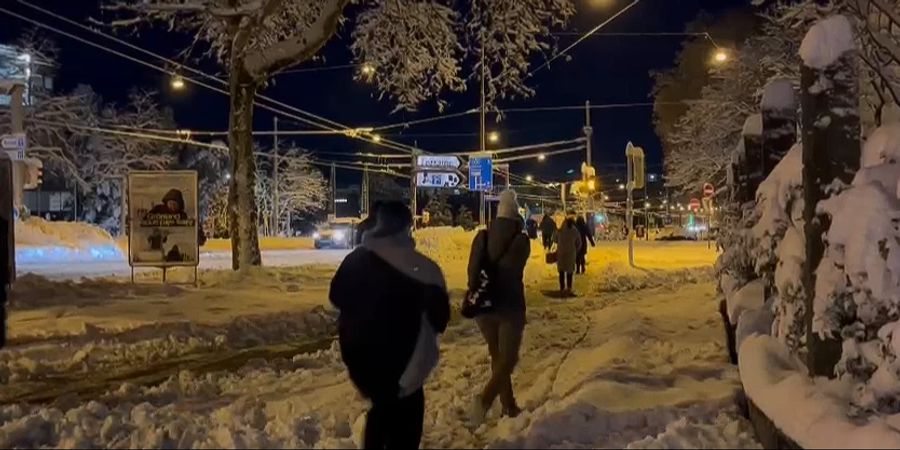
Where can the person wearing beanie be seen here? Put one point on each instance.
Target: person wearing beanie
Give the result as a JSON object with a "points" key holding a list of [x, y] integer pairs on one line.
{"points": [[507, 249], [393, 303]]}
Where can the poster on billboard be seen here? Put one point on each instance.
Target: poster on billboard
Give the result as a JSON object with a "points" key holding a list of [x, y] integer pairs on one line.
{"points": [[162, 214]]}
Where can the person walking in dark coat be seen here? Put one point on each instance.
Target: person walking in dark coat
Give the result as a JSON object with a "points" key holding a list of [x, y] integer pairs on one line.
{"points": [[508, 250], [568, 246], [586, 236], [531, 228], [393, 303], [548, 229]]}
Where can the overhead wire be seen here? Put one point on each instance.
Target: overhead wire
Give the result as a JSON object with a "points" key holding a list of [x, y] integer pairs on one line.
{"points": [[331, 123], [585, 36]]}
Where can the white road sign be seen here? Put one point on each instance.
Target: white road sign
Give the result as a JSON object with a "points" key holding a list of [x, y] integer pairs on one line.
{"points": [[438, 162], [438, 179], [15, 145]]}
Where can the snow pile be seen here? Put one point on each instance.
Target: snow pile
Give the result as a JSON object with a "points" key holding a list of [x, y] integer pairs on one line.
{"points": [[813, 413], [686, 433], [40, 241], [779, 95], [827, 41], [882, 147], [858, 279], [750, 297], [753, 126]]}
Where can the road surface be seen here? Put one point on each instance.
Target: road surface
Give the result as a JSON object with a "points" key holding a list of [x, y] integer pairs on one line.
{"points": [[208, 260]]}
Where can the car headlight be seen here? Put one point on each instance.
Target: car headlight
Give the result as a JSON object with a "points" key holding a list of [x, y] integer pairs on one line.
{"points": [[316, 235], [339, 235]]}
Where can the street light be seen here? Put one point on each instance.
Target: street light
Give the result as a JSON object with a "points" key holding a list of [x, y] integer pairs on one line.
{"points": [[542, 157], [177, 83], [376, 138], [494, 136], [529, 178], [646, 204], [367, 69], [621, 187], [721, 56]]}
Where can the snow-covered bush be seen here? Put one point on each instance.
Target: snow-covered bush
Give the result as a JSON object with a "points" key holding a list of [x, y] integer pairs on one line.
{"points": [[778, 252], [858, 279]]}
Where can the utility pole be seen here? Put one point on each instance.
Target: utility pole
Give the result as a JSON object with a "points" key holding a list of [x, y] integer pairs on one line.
{"points": [[333, 191], [17, 112], [413, 191], [483, 216], [646, 213], [276, 209]]}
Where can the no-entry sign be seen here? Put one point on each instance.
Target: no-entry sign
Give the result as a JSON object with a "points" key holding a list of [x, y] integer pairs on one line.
{"points": [[708, 190], [695, 204]]}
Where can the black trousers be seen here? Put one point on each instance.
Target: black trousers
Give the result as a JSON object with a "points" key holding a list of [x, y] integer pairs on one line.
{"points": [[565, 281], [581, 263], [396, 423]]}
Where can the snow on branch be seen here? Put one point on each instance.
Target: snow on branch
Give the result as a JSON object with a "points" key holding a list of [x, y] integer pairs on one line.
{"points": [[413, 48]]}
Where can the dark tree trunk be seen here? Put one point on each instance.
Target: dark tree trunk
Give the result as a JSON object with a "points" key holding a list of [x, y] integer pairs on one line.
{"points": [[831, 151], [243, 215]]}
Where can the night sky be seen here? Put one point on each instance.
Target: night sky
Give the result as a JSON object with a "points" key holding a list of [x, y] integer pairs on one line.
{"points": [[604, 69]]}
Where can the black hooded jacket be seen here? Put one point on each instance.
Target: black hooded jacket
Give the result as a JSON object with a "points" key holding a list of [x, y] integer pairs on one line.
{"points": [[383, 289]]}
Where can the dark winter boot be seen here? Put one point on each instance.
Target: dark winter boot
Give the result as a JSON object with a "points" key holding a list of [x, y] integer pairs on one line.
{"points": [[512, 412]]}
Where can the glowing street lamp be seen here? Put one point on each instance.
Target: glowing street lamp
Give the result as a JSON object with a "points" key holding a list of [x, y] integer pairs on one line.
{"points": [[177, 83], [494, 136], [721, 56], [646, 204], [376, 138], [529, 178], [621, 187], [542, 157], [367, 69]]}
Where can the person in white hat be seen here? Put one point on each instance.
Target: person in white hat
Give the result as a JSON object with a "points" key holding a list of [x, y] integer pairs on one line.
{"points": [[506, 248]]}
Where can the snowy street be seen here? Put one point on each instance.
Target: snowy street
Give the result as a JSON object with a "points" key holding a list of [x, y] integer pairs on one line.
{"points": [[637, 360], [594, 373]]}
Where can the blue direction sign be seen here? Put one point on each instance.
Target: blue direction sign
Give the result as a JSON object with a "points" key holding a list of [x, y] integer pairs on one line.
{"points": [[481, 173]]}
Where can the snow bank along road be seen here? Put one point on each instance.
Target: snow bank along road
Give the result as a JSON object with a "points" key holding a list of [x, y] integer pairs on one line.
{"points": [[246, 361], [208, 260]]}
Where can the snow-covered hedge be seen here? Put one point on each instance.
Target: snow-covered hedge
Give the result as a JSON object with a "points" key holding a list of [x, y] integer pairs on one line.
{"points": [[858, 280]]}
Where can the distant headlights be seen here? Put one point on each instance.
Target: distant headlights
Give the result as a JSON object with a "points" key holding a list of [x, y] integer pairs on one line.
{"points": [[339, 235]]}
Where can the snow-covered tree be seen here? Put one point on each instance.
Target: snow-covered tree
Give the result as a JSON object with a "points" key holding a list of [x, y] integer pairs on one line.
{"points": [[416, 47], [877, 24], [301, 188], [701, 141]]}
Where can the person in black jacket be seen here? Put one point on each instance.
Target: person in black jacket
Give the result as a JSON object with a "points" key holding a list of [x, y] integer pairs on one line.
{"points": [[393, 302], [586, 236], [367, 224], [548, 229], [508, 248]]}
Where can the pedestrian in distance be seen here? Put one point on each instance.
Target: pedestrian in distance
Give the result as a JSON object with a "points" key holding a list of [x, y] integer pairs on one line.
{"points": [[586, 237], [506, 248], [531, 228], [548, 229], [393, 303], [568, 245]]}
